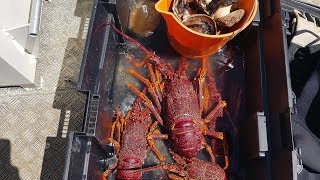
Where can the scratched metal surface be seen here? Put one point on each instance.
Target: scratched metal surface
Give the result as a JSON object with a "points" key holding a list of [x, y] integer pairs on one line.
{"points": [[34, 122]]}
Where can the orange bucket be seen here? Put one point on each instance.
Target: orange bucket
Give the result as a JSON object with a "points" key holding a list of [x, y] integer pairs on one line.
{"points": [[193, 44]]}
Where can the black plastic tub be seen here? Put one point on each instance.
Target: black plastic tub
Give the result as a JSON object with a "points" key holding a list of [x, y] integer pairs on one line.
{"points": [[261, 144]]}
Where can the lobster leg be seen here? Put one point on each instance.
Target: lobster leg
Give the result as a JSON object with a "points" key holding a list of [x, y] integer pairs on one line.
{"points": [[119, 123], [176, 168], [215, 96], [112, 130], [107, 173], [155, 79], [206, 131], [159, 79], [151, 87], [209, 150], [215, 112], [114, 142], [157, 135], [200, 81], [162, 86], [147, 102], [206, 89], [116, 124], [225, 149], [175, 177], [136, 63], [155, 150], [153, 126], [151, 136], [179, 159], [123, 120], [206, 97]]}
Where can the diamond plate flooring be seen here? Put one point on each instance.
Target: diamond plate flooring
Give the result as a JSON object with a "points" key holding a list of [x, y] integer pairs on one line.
{"points": [[34, 121]]}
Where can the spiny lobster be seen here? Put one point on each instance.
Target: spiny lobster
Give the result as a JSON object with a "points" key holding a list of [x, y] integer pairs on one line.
{"points": [[193, 169], [182, 107], [135, 132]]}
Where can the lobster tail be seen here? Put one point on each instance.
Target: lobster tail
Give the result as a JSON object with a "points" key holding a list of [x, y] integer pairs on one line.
{"points": [[129, 175], [187, 138]]}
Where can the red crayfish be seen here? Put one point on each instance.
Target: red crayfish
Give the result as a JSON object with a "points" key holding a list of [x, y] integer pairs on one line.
{"points": [[193, 169], [182, 106], [135, 132]]}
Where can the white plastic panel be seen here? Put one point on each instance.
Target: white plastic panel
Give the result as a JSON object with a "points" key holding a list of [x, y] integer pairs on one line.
{"points": [[14, 13]]}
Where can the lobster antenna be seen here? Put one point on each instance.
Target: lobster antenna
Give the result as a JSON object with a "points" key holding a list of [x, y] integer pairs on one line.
{"points": [[163, 66]]}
